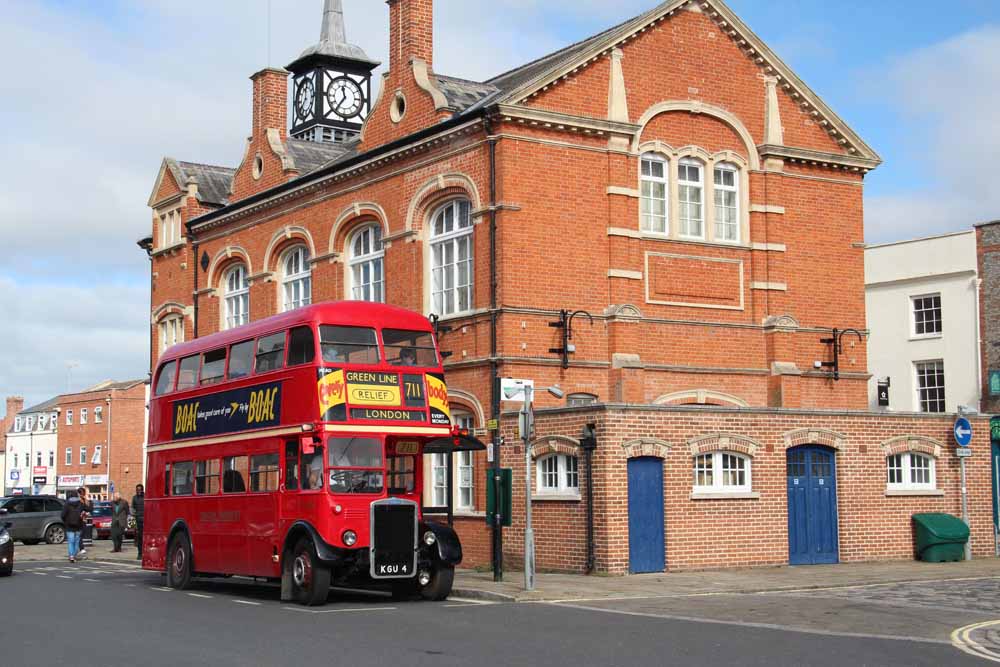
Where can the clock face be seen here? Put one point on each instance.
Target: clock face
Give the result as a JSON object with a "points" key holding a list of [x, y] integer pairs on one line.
{"points": [[345, 97], [304, 98]]}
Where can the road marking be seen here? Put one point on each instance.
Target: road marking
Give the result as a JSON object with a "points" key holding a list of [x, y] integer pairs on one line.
{"points": [[962, 640], [62, 576], [338, 611], [96, 581], [131, 585], [255, 604], [464, 602], [763, 626], [162, 588], [41, 574], [199, 595]]}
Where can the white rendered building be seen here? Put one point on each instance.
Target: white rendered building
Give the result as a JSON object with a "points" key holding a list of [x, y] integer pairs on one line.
{"points": [[30, 462], [923, 316]]}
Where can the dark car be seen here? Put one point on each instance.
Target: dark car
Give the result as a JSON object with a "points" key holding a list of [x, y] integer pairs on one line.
{"points": [[101, 517], [6, 547], [34, 518]]}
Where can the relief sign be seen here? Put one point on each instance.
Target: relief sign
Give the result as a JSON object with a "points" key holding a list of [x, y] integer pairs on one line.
{"points": [[372, 388], [228, 411]]}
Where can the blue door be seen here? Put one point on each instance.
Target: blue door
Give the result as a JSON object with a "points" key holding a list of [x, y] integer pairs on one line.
{"points": [[812, 506], [645, 515], [996, 495]]}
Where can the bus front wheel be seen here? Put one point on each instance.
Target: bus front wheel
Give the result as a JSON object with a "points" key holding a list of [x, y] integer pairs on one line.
{"points": [[439, 587], [310, 579], [179, 562]]}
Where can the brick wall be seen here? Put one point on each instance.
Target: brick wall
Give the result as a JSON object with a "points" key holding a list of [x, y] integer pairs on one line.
{"points": [[988, 257]]}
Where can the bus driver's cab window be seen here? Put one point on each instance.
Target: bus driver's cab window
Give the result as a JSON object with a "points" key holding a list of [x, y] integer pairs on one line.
{"points": [[292, 465], [357, 465]]}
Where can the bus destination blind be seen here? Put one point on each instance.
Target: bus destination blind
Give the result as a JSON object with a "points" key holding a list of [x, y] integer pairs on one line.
{"points": [[228, 411]]}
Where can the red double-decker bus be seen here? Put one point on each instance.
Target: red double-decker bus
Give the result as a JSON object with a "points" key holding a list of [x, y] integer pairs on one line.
{"points": [[290, 449]]}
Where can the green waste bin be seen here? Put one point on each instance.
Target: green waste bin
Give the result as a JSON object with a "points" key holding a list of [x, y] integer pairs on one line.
{"points": [[940, 537]]}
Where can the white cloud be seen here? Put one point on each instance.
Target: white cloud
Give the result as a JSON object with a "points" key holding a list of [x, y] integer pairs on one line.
{"points": [[947, 95]]}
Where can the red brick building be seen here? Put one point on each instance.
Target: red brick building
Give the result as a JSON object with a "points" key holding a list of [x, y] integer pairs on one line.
{"points": [[672, 178], [100, 438]]}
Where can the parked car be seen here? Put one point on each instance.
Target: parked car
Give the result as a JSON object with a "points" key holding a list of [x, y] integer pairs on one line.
{"points": [[6, 547], [102, 521], [34, 518]]}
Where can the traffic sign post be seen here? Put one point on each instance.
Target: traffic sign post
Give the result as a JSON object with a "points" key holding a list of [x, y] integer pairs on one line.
{"points": [[963, 437]]}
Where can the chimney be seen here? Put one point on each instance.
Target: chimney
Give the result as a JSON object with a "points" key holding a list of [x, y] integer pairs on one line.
{"points": [[411, 33], [14, 405], [270, 102]]}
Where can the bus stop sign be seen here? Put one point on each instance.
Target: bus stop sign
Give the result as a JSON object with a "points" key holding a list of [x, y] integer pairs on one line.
{"points": [[963, 432]]}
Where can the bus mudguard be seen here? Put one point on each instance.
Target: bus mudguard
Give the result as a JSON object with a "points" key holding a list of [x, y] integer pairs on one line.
{"points": [[324, 551], [449, 548]]}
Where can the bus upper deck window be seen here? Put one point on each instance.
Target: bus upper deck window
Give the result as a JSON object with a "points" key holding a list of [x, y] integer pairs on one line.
{"points": [[301, 346], [213, 366], [349, 345], [409, 348], [271, 352], [240, 359], [188, 376], [165, 380]]}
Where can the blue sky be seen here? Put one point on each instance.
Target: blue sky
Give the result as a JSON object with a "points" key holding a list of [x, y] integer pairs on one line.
{"points": [[103, 90]]}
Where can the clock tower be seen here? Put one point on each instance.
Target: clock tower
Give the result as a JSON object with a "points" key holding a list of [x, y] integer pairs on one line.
{"points": [[331, 85]]}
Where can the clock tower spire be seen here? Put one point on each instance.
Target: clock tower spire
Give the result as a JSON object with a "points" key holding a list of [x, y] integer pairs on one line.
{"points": [[332, 84]]}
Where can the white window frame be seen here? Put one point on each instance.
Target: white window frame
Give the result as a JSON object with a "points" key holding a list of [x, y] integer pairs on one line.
{"points": [[645, 200], [38, 458], [734, 189], [296, 278], [918, 367], [718, 472], [52, 458], [96, 460], [83, 416], [683, 221], [459, 236], [580, 399], [30, 424], [69, 418], [567, 467], [464, 467], [170, 228], [906, 471], [54, 420], [69, 456], [236, 297], [171, 331], [365, 251], [439, 482], [98, 414], [913, 316], [83, 456], [17, 424]]}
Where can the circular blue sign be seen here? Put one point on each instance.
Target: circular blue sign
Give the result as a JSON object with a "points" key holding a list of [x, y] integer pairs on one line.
{"points": [[963, 432]]}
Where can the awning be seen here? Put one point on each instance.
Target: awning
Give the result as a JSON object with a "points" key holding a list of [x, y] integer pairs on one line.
{"points": [[454, 443]]}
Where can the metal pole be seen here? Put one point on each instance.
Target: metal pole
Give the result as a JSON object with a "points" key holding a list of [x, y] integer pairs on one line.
{"points": [[965, 512], [529, 534]]}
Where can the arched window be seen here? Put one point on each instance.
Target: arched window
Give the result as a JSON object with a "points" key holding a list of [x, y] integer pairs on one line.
{"points": [[653, 182], [557, 474], [727, 210], [296, 279], [236, 297], [580, 399], [451, 258], [691, 198], [911, 471], [366, 264], [721, 471]]}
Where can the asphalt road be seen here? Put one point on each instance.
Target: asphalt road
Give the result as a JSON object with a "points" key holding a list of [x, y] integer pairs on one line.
{"points": [[114, 614]]}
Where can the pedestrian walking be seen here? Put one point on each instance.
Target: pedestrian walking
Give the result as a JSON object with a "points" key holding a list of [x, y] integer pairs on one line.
{"points": [[138, 502], [119, 521], [87, 508], [72, 518]]}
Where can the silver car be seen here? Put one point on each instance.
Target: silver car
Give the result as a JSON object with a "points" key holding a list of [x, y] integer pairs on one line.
{"points": [[34, 518]]}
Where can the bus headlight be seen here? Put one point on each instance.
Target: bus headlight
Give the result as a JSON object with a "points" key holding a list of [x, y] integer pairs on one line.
{"points": [[349, 537], [430, 538]]}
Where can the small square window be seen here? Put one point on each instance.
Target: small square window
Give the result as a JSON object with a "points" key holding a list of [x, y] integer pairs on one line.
{"points": [[557, 474], [927, 315], [722, 472], [911, 471]]}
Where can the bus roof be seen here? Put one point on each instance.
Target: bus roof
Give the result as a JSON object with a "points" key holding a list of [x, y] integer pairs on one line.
{"points": [[347, 313]]}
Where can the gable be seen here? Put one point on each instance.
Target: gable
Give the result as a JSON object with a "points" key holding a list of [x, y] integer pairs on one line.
{"points": [[708, 46], [166, 184]]}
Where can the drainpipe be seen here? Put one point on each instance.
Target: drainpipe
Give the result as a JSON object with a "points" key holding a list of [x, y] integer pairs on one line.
{"points": [[108, 446], [195, 293], [976, 286], [494, 364], [589, 443]]}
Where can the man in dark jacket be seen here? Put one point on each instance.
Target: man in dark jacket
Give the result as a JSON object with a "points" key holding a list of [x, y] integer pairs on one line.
{"points": [[87, 508], [119, 521], [138, 501], [72, 518]]}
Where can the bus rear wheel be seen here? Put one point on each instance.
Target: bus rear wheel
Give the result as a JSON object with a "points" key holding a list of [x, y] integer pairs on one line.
{"points": [[439, 587], [310, 578], [179, 562]]}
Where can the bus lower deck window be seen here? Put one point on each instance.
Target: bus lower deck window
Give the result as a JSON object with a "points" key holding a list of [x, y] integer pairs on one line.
{"points": [[207, 477], [234, 474], [183, 476], [264, 473]]}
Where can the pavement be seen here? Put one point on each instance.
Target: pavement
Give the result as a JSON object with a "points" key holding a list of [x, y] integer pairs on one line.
{"points": [[109, 612]]}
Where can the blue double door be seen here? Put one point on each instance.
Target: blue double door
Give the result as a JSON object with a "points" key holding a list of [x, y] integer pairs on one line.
{"points": [[646, 549], [812, 506]]}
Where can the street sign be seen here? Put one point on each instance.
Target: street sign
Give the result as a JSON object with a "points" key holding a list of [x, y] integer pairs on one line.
{"points": [[963, 452], [963, 432], [883, 394], [994, 383], [513, 390], [39, 480], [15, 475], [995, 429], [492, 424]]}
